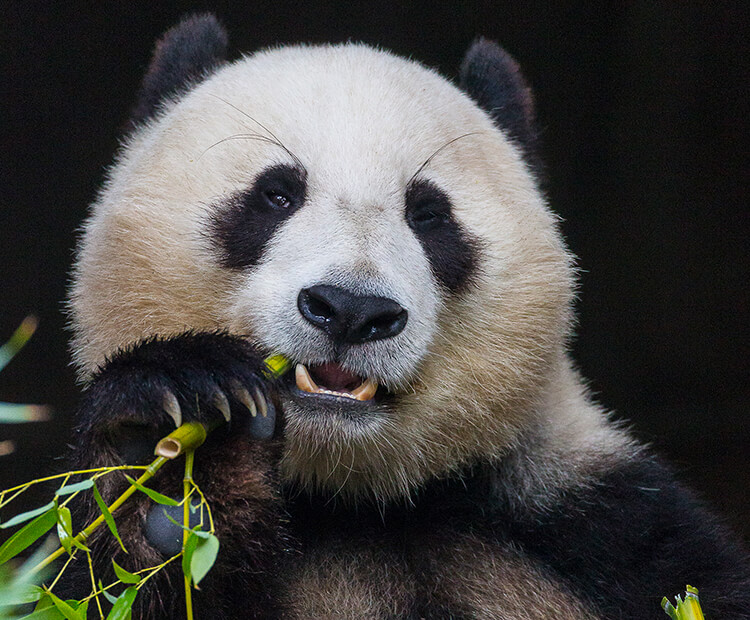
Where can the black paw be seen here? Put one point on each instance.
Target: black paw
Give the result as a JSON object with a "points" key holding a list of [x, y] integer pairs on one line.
{"points": [[145, 392]]}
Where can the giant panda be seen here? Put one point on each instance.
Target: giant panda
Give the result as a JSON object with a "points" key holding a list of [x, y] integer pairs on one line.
{"points": [[434, 453]]}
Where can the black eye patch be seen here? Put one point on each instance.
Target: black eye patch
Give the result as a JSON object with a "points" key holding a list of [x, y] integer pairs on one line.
{"points": [[246, 220], [453, 253]]}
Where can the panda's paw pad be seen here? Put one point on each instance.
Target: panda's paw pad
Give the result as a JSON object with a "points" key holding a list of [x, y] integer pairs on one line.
{"points": [[147, 391]]}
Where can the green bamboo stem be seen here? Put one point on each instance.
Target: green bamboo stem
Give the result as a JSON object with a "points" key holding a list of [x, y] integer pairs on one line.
{"points": [[183, 440], [187, 437], [187, 482]]}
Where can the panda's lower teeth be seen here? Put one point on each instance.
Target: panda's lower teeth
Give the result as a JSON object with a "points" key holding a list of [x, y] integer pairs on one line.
{"points": [[365, 391]]}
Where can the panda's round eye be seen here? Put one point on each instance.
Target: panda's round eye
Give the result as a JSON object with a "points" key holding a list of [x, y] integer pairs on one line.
{"points": [[428, 214], [278, 200]]}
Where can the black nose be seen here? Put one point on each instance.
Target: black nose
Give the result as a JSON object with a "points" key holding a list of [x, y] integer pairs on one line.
{"points": [[349, 318]]}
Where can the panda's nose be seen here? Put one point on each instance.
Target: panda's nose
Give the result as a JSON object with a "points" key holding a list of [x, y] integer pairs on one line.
{"points": [[348, 318]]}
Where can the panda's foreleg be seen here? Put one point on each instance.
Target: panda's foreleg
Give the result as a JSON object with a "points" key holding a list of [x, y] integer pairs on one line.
{"points": [[142, 394]]}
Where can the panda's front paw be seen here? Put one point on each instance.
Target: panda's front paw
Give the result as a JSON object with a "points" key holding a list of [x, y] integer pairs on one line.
{"points": [[144, 392]]}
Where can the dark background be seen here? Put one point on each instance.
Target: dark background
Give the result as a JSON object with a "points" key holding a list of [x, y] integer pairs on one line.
{"points": [[644, 114]]}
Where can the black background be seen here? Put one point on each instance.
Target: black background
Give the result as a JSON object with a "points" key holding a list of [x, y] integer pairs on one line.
{"points": [[644, 114]]}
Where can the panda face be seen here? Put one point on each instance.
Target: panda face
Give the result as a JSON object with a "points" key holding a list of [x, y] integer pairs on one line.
{"points": [[360, 215]]}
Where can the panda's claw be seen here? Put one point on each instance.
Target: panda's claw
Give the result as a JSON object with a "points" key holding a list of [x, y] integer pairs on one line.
{"points": [[242, 395], [220, 401], [171, 407], [144, 392], [261, 402]]}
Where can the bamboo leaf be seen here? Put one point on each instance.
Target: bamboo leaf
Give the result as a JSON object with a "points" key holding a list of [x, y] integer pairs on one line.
{"points": [[204, 557], [106, 594], [45, 613], [154, 495], [123, 575], [65, 528], [187, 555], [25, 516], [108, 518], [65, 608], [19, 338], [20, 595], [45, 602], [74, 488], [121, 608], [83, 609], [195, 530], [28, 534]]}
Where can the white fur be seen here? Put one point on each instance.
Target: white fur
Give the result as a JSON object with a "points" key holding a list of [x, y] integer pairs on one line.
{"points": [[472, 372]]}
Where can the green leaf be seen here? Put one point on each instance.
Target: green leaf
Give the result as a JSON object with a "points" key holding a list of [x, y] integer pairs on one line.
{"points": [[121, 608], [108, 518], [83, 609], [45, 602], [74, 488], [19, 338], [204, 557], [154, 495], [65, 528], [45, 613], [187, 555], [106, 594], [65, 608], [28, 535], [195, 530], [25, 516], [19, 594], [124, 575]]}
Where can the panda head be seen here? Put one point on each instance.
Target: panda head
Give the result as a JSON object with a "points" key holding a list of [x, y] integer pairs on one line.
{"points": [[356, 212]]}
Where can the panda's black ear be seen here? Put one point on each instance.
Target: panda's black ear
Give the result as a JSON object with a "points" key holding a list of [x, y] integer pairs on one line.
{"points": [[185, 54], [491, 77]]}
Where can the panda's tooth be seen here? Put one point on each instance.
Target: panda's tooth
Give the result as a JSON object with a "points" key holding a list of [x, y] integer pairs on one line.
{"points": [[171, 407], [222, 404], [304, 380], [367, 390]]}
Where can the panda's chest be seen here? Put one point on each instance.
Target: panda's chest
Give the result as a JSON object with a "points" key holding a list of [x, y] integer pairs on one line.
{"points": [[409, 570]]}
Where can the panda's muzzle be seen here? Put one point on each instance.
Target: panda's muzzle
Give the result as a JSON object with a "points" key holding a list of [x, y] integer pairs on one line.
{"points": [[331, 379], [348, 319]]}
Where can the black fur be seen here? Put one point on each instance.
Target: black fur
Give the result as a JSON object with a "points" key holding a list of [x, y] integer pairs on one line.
{"points": [[122, 405], [621, 545], [453, 253], [244, 224], [185, 55], [491, 77], [125, 399], [633, 538]]}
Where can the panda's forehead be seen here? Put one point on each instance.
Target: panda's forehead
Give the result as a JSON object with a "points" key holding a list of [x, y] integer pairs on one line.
{"points": [[361, 122]]}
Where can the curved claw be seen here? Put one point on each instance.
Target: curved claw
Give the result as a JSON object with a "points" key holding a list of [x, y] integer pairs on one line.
{"points": [[261, 402], [221, 402], [172, 408], [243, 396]]}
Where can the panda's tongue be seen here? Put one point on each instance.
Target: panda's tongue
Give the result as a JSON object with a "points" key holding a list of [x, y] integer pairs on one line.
{"points": [[333, 377]]}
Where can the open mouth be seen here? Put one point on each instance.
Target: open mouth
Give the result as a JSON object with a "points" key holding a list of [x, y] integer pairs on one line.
{"points": [[331, 379]]}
